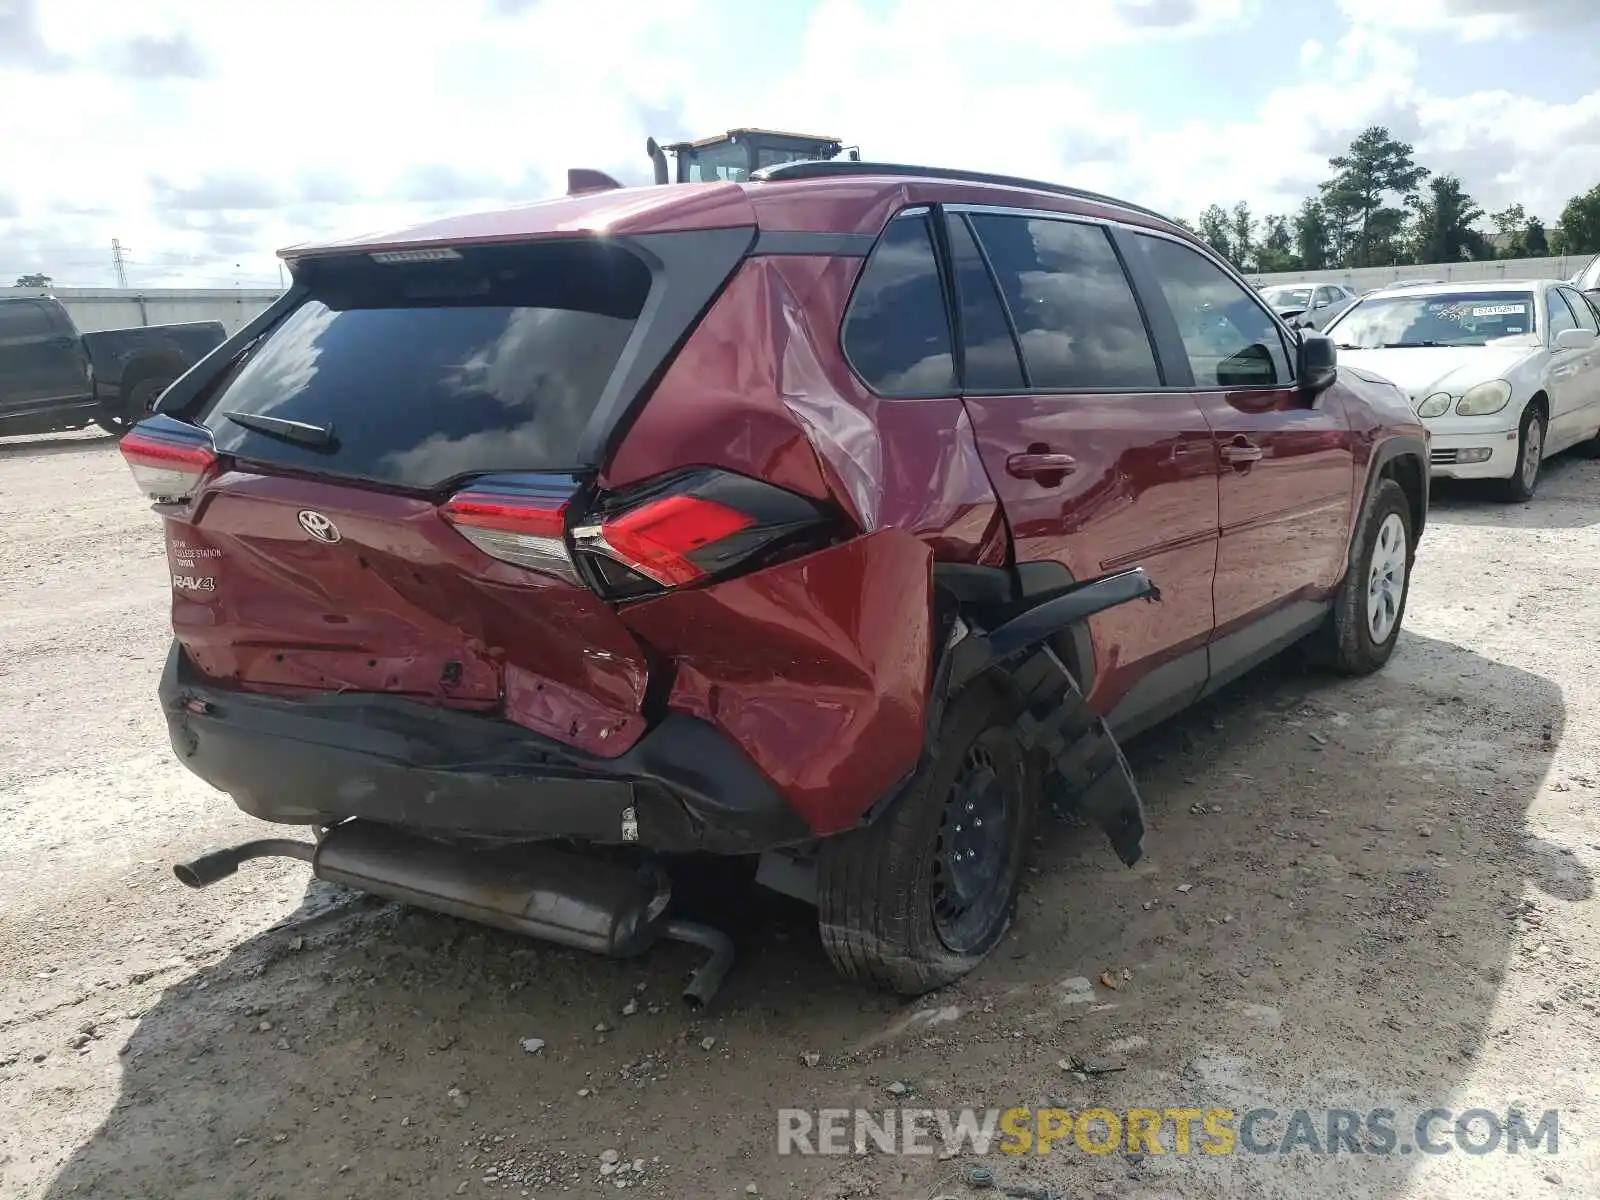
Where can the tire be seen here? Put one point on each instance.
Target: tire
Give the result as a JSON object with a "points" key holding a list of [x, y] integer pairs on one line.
{"points": [[889, 897], [136, 406], [1524, 481], [1364, 625]]}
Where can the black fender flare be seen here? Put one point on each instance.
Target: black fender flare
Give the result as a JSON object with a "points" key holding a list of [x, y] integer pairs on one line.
{"points": [[1085, 769], [1385, 452]]}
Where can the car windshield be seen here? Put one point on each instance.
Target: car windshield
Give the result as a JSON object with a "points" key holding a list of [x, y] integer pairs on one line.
{"points": [[1459, 319], [1288, 297], [723, 160]]}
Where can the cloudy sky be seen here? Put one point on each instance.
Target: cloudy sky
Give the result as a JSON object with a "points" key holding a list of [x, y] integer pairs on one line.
{"points": [[206, 134]]}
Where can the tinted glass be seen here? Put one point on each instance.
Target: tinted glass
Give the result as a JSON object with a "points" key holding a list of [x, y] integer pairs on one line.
{"points": [[430, 371], [1326, 296], [25, 319], [1560, 315], [1288, 297], [1456, 319], [1230, 340], [1583, 310], [897, 333], [991, 352], [1074, 311]]}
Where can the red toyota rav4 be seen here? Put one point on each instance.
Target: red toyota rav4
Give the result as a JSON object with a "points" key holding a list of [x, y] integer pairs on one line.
{"points": [[526, 554]]}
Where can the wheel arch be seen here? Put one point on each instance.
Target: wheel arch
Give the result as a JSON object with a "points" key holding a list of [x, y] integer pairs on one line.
{"points": [[1404, 459]]}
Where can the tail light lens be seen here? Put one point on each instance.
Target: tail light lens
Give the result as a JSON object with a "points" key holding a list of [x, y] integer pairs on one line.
{"points": [[168, 458], [681, 530], [693, 527], [520, 519]]}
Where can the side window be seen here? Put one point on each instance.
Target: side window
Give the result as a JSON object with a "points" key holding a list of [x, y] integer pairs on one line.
{"points": [[1326, 296], [989, 351], [1231, 342], [897, 334], [25, 319], [1074, 311], [1560, 315], [1581, 310]]}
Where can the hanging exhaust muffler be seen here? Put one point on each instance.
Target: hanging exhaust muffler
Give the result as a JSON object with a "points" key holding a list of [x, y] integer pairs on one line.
{"points": [[587, 904]]}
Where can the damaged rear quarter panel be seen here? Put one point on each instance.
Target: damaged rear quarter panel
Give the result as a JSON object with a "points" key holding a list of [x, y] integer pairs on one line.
{"points": [[762, 388], [817, 668]]}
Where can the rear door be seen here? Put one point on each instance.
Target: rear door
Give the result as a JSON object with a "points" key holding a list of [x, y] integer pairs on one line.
{"points": [[41, 359], [1099, 467], [1288, 464]]}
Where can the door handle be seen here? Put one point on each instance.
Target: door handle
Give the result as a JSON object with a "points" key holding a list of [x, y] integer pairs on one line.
{"points": [[1241, 453], [1040, 462]]}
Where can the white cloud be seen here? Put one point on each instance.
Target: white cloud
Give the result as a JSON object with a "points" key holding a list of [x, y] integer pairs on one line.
{"points": [[1475, 20], [206, 135]]}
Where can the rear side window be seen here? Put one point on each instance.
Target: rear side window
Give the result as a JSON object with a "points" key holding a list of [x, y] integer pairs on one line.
{"points": [[1230, 340], [897, 333], [989, 351], [26, 319], [427, 371], [1073, 308]]}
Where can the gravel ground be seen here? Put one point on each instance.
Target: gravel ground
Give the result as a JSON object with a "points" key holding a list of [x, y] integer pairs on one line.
{"points": [[1360, 894]]}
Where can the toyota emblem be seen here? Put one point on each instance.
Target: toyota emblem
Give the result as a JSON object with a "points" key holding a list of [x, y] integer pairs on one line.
{"points": [[318, 526]]}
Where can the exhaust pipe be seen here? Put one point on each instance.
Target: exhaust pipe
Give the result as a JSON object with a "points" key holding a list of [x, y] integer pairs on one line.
{"points": [[587, 904], [658, 159], [219, 864]]}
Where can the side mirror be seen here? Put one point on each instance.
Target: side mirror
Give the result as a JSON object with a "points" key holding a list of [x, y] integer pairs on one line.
{"points": [[1575, 339], [1316, 363]]}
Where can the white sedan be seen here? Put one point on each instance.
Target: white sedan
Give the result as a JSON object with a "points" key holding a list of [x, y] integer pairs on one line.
{"points": [[1503, 374]]}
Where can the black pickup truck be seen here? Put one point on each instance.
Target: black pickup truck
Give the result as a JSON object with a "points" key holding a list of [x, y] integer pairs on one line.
{"points": [[54, 378]]}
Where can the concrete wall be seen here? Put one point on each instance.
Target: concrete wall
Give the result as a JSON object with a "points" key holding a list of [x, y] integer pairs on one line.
{"points": [[94, 309], [1363, 278]]}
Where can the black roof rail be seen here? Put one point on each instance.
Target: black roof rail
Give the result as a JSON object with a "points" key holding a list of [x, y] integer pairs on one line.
{"points": [[822, 169]]}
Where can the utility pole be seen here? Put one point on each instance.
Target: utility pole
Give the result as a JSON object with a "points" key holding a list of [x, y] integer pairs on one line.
{"points": [[118, 263]]}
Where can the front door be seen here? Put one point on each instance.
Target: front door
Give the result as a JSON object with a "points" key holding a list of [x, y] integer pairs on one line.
{"points": [[1288, 464], [1097, 467]]}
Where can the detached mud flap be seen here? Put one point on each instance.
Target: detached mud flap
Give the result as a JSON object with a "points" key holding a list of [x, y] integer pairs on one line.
{"points": [[1088, 771]]}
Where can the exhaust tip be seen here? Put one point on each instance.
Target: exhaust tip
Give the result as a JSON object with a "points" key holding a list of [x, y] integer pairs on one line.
{"points": [[708, 978], [188, 876], [219, 864]]}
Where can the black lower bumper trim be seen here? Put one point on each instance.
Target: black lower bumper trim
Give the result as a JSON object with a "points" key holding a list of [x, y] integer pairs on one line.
{"points": [[326, 758]]}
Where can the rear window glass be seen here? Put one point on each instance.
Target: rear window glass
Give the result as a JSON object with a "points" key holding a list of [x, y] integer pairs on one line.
{"points": [[427, 371]]}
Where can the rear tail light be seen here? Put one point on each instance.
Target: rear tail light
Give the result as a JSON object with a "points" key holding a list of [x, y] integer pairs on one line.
{"points": [[681, 530], [691, 528], [518, 519], [168, 458]]}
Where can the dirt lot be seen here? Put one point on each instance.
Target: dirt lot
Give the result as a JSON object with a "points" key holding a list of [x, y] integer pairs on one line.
{"points": [[1356, 894]]}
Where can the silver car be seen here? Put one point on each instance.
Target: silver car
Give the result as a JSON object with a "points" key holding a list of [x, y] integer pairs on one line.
{"points": [[1308, 305]]}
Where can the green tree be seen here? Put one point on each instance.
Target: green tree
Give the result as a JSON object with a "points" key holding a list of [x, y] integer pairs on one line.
{"points": [[1510, 227], [1242, 234], [34, 281], [1216, 230], [1276, 252], [1534, 242], [1376, 167], [1444, 226], [1580, 223], [1313, 236]]}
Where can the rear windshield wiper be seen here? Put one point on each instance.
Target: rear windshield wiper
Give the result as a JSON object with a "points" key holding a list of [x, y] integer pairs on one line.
{"points": [[298, 433]]}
